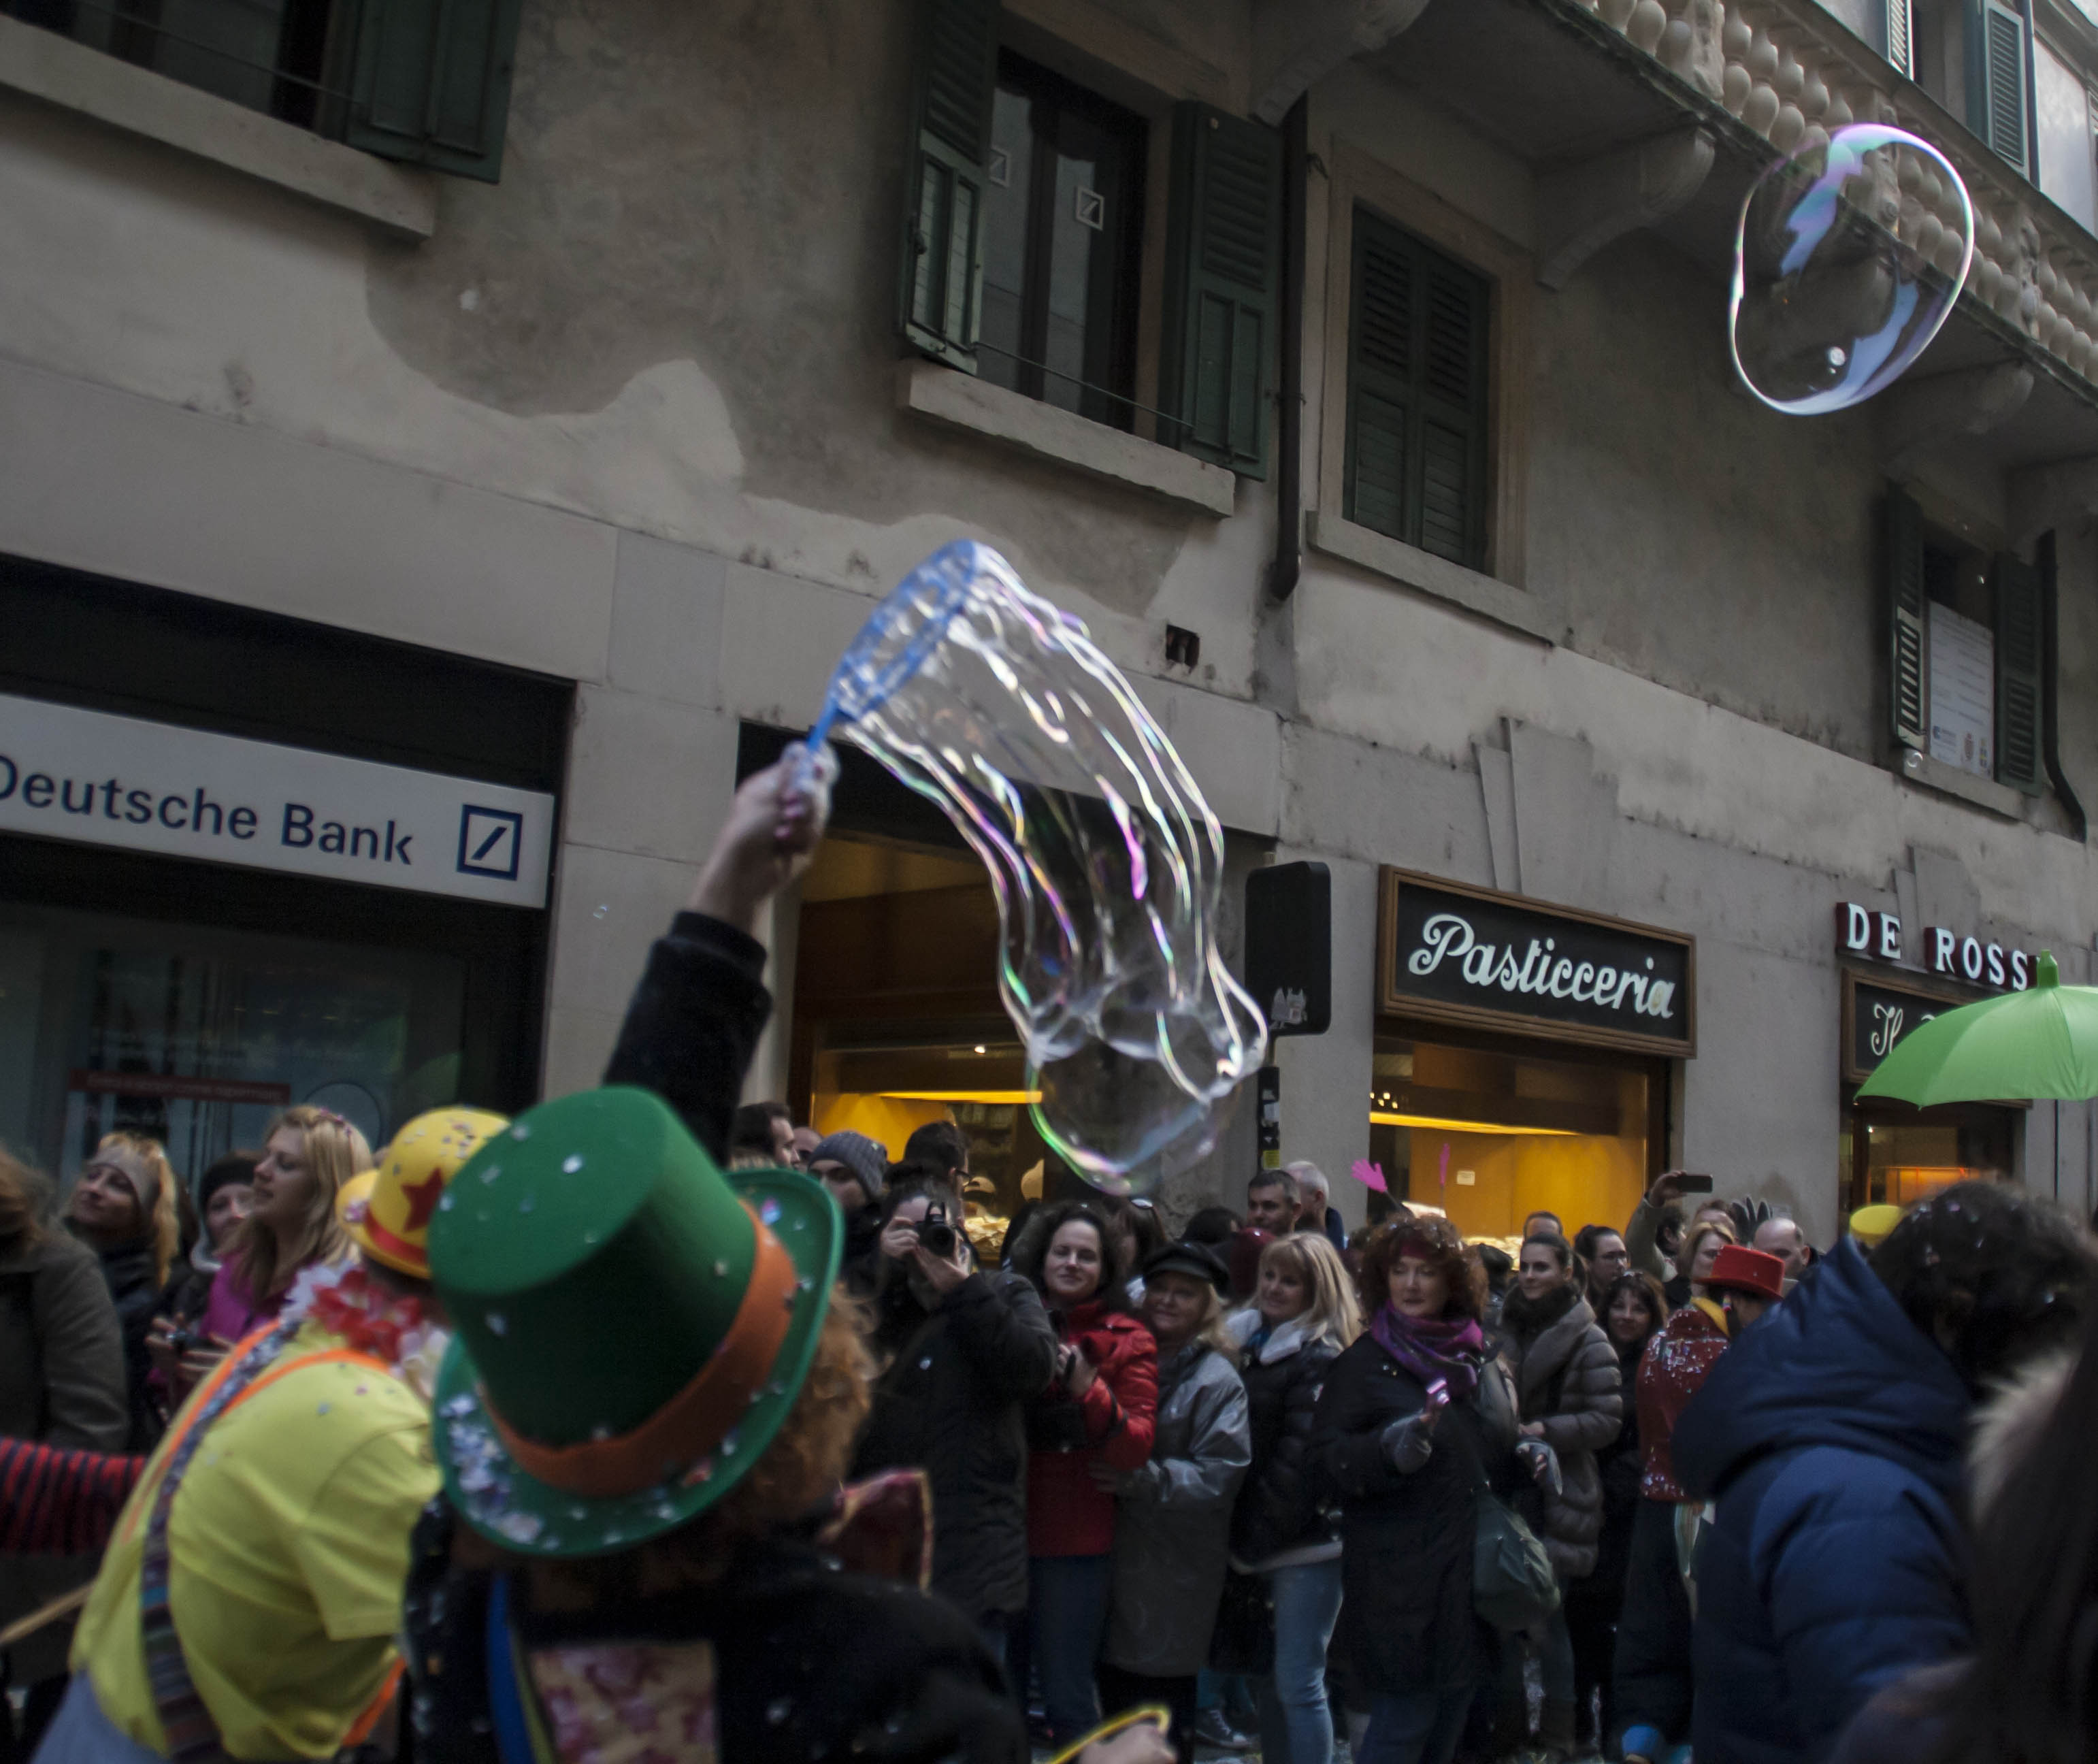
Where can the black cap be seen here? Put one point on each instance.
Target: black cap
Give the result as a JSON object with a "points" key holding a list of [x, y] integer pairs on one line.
{"points": [[1199, 1260]]}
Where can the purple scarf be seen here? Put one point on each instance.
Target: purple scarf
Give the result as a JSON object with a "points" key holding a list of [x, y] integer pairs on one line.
{"points": [[1448, 1348]]}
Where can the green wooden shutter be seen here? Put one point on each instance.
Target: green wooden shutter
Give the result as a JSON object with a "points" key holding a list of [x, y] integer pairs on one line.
{"points": [[2016, 590], [431, 82], [1416, 465], [1996, 78], [942, 279], [1906, 613], [1222, 227]]}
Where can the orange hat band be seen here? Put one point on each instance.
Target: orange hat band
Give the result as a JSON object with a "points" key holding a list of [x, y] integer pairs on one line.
{"points": [[693, 1423], [397, 1253]]}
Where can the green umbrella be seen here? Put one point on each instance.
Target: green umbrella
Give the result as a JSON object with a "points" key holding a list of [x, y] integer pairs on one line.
{"points": [[2041, 1043]]}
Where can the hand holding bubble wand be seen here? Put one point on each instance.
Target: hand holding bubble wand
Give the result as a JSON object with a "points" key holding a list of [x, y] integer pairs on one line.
{"points": [[1105, 860]]}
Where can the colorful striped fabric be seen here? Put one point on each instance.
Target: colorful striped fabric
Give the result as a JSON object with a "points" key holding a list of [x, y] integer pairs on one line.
{"points": [[55, 1502]]}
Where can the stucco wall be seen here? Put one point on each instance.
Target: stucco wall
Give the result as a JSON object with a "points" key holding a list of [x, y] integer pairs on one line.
{"points": [[628, 417]]}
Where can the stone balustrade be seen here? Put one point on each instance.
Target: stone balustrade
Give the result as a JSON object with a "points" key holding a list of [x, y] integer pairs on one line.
{"points": [[1788, 73]]}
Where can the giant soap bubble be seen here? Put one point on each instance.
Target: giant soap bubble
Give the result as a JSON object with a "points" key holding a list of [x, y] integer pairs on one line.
{"points": [[1850, 255], [1107, 862]]}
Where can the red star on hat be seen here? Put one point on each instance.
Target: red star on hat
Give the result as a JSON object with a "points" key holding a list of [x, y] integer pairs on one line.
{"points": [[422, 1199]]}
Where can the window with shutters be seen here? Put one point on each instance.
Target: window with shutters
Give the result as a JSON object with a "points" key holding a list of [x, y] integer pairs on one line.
{"points": [[426, 82], [1063, 236], [2063, 124], [1964, 659], [1416, 463]]}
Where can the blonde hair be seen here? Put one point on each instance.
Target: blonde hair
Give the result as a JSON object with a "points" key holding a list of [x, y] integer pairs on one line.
{"points": [[1333, 1315], [20, 1198], [335, 1151], [160, 1217]]}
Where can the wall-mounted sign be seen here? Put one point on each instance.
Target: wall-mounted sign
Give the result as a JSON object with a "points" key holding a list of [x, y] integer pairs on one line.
{"points": [[1289, 946], [1497, 961], [98, 780], [1876, 937], [1880, 1015]]}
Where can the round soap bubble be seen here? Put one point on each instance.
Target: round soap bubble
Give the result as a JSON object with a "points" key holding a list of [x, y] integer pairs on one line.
{"points": [[1850, 255], [1107, 862]]}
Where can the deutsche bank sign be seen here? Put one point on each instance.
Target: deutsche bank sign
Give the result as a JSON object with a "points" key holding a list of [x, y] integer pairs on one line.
{"points": [[87, 776]]}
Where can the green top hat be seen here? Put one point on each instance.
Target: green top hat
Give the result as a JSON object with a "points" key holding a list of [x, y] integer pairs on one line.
{"points": [[631, 1325]]}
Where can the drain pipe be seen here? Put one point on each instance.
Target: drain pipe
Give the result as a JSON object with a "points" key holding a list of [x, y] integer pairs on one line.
{"points": [[2050, 697], [1289, 397]]}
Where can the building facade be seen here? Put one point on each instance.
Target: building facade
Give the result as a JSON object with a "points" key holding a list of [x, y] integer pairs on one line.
{"points": [[1360, 373]]}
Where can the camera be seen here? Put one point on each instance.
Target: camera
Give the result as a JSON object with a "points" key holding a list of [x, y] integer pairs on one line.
{"points": [[936, 1234]]}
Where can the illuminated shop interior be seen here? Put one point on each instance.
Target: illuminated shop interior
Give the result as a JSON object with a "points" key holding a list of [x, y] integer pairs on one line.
{"points": [[1490, 1136], [1903, 1154]]}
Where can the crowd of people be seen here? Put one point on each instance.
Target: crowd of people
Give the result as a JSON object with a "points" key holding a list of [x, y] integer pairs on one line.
{"points": [[647, 1427]]}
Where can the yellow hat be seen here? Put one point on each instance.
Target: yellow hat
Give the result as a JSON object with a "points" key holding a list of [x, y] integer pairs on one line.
{"points": [[1869, 1225], [387, 1211]]}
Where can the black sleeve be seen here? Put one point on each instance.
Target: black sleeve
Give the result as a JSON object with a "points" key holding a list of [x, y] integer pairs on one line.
{"points": [[444, 1622], [1277, 1507], [694, 1023], [1346, 1449], [1001, 1330]]}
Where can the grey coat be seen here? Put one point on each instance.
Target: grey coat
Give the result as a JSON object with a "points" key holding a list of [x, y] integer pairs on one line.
{"points": [[61, 1382], [1569, 1382], [1173, 1522]]}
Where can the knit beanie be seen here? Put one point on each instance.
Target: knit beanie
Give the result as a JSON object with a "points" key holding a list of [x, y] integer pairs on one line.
{"points": [[866, 1158]]}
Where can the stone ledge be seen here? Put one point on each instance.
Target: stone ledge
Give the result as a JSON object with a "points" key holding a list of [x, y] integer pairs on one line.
{"points": [[42, 64], [1048, 431], [1428, 574], [1951, 781]]}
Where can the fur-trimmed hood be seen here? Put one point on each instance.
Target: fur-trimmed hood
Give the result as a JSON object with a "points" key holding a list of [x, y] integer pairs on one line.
{"points": [[2008, 1425]]}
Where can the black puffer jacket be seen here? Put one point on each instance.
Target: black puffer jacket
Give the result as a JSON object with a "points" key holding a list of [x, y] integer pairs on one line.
{"points": [[953, 1402], [1279, 1508], [1406, 1623], [128, 1273]]}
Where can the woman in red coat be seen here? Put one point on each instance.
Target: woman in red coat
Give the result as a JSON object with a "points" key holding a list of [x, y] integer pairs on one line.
{"points": [[1099, 1410]]}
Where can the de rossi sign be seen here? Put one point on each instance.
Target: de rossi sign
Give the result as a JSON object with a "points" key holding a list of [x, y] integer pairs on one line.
{"points": [[87, 776], [1496, 961]]}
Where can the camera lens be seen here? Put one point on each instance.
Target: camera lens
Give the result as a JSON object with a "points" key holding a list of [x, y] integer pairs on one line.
{"points": [[938, 1236]]}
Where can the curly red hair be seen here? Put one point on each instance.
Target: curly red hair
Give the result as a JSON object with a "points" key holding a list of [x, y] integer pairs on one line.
{"points": [[1430, 1240]]}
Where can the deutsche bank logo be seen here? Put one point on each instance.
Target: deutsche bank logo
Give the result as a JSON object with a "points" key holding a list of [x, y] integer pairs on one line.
{"points": [[489, 839]]}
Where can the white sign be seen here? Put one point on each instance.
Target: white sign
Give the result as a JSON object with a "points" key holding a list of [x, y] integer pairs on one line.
{"points": [[1878, 937], [87, 776], [1963, 692]]}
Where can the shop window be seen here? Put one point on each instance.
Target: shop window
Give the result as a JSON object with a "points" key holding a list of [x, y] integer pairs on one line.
{"points": [[1418, 413], [427, 81], [1062, 233], [1901, 1156], [1965, 675], [1025, 212], [1490, 1136]]}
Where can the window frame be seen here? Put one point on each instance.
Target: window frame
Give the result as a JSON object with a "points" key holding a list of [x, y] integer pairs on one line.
{"points": [[1509, 271]]}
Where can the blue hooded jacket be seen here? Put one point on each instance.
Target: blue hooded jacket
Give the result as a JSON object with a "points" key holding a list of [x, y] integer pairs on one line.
{"points": [[1830, 1433]]}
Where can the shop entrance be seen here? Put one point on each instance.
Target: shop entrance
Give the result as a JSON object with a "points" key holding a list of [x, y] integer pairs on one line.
{"points": [[1490, 1129], [1894, 1153]]}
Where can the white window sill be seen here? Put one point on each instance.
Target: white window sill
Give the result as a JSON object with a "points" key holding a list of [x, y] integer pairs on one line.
{"points": [[1951, 781], [44, 65], [1429, 574], [1048, 431]]}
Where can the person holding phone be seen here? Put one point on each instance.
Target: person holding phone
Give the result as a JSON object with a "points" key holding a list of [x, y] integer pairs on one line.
{"points": [[1657, 1236]]}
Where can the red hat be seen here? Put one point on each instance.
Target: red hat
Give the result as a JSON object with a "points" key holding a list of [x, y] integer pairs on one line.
{"points": [[1246, 1245], [1748, 1270]]}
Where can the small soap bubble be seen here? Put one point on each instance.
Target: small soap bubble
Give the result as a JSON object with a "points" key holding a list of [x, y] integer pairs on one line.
{"points": [[324, 1408], [1840, 280], [602, 910], [769, 1211], [489, 1172], [521, 1130], [572, 1162], [497, 1323], [526, 1203], [720, 1271], [777, 1711]]}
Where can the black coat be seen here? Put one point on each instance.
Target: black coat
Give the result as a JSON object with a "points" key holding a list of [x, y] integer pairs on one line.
{"points": [[1279, 1507], [811, 1662], [1406, 1623], [128, 1275], [953, 1402], [694, 1023]]}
